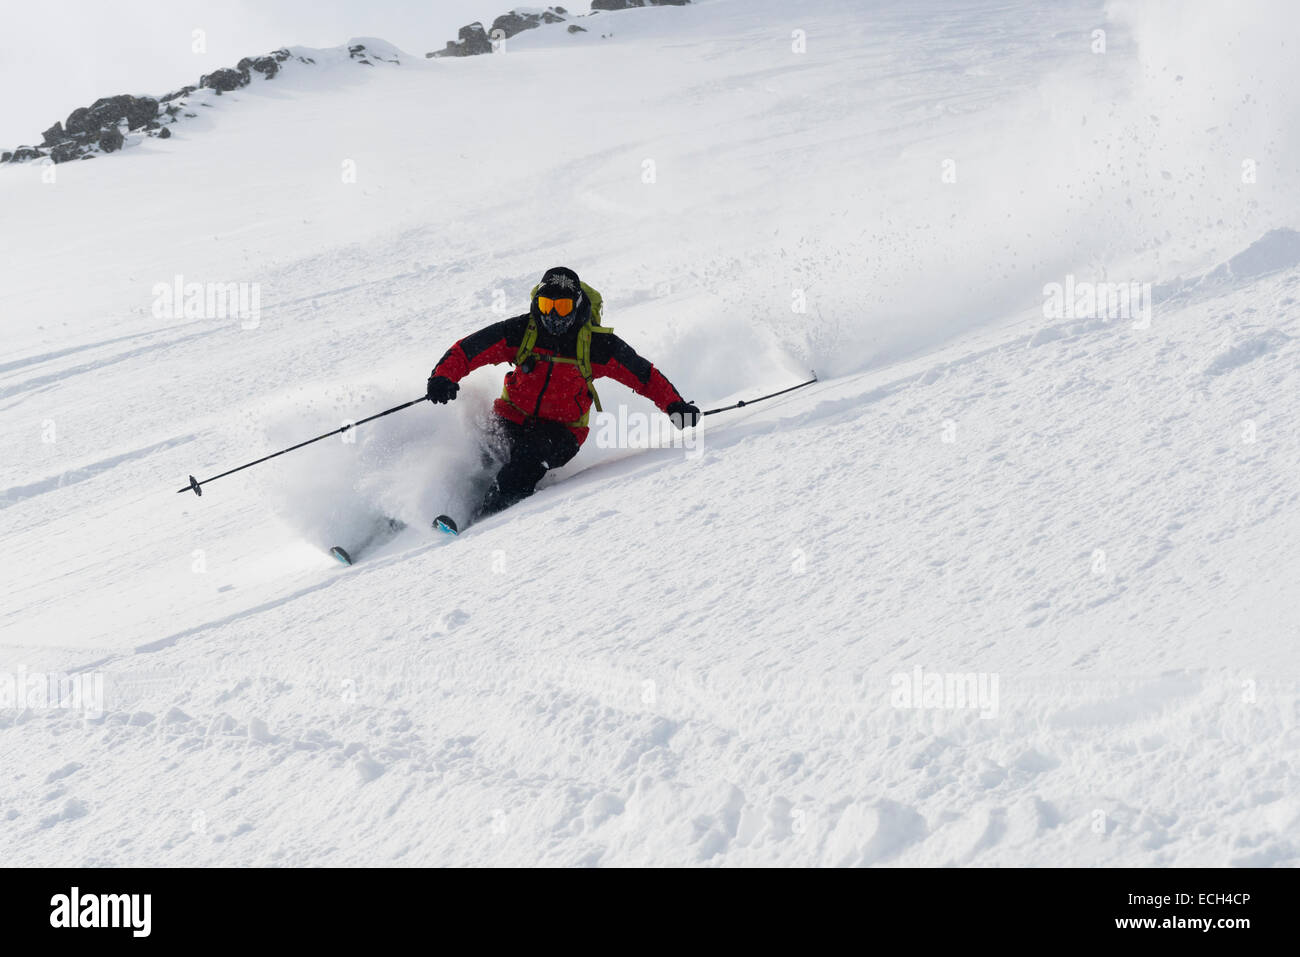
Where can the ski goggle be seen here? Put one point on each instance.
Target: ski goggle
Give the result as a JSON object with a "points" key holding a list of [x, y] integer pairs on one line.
{"points": [[562, 307]]}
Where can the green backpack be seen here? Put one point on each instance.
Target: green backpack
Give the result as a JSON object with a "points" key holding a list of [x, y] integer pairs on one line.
{"points": [[583, 359]]}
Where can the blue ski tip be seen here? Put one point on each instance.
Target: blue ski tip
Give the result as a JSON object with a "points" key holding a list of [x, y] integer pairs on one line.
{"points": [[341, 556], [445, 523]]}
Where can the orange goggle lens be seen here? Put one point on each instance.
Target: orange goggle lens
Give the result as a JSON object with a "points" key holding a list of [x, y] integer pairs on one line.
{"points": [[562, 306]]}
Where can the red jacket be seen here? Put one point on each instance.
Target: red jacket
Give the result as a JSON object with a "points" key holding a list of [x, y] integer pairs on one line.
{"points": [[556, 392]]}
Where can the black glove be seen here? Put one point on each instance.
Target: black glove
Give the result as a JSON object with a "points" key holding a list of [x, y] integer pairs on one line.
{"points": [[683, 414], [442, 389]]}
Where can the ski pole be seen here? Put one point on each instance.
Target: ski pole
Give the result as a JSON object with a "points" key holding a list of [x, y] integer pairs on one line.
{"points": [[196, 486], [742, 403]]}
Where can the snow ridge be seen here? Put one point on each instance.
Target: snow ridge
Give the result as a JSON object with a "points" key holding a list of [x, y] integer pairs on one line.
{"points": [[117, 122]]}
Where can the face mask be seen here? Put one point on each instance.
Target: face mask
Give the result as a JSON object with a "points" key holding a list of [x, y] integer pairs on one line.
{"points": [[557, 315]]}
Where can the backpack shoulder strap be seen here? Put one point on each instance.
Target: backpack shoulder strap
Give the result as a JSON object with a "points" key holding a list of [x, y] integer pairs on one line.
{"points": [[584, 355], [526, 344]]}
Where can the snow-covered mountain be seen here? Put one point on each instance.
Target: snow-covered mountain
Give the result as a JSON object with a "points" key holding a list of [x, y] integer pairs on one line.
{"points": [[112, 123], [1014, 582]]}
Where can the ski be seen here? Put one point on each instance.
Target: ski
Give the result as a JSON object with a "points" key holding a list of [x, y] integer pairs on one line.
{"points": [[447, 524], [387, 529]]}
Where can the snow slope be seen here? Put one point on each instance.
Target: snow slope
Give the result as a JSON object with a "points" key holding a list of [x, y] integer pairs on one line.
{"points": [[670, 655]]}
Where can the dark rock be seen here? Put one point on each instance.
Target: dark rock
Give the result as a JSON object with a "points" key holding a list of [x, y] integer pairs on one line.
{"points": [[141, 110], [110, 141], [268, 66], [225, 79], [183, 91], [84, 123], [475, 39], [110, 110], [510, 24], [359, 53], [164, 133], [6, 156], [24, 153], [514, 22], [52, 135], [78, 121], [473, 42], [65, 152], [629, 4]]}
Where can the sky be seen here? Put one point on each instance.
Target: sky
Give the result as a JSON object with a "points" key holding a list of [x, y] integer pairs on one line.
{"points": [[65, 55]]}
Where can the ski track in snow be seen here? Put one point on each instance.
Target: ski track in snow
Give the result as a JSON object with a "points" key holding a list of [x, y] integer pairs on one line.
{"points": [[668, 656]]}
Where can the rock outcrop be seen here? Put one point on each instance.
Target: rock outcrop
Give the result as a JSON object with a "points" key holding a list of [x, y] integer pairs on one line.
{"points": [[629, 4], [100, 127], [103, 126], [474, 39], [227, 79], [513, 23], [107, 124]]}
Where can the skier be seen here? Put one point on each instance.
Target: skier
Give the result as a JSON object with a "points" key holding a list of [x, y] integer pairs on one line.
{"points": [[557, 348]]}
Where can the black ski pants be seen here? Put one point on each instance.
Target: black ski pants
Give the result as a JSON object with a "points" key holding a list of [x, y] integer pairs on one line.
{"points": [[528, 451]]}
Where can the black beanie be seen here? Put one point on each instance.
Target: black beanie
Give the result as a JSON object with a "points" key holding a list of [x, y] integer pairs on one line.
{"points": [[560, 282]]}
